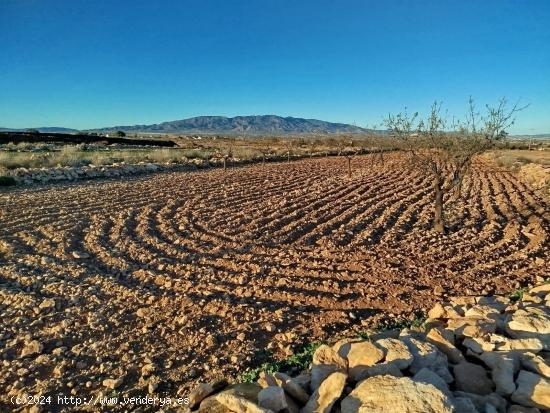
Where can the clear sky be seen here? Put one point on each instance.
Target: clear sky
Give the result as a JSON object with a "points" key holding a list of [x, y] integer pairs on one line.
{"points": [[93, 63]]}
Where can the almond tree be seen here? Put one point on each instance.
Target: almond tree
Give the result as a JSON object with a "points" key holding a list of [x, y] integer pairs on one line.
{"points": [[445, 151], [224, 155], [265, 151], [312, 146], [376, 144], [346, 147], [288, 149]]}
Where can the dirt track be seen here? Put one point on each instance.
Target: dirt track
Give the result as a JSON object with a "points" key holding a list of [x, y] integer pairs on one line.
{"points": [[223, 264]]}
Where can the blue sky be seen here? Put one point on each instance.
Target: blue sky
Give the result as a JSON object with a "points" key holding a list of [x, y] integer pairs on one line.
{"points": [[93, 63]]}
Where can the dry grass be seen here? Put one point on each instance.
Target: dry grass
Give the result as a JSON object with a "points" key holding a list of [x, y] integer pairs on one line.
{"points": [[513, 159], [532, 167], [41, 155]]}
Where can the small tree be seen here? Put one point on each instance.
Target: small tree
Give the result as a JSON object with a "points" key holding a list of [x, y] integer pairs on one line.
{"points": [[224, 155], [312, 147], [120, 134], [288, 149], [348, 149], [376, 144], [265, 151], [445, 151]]}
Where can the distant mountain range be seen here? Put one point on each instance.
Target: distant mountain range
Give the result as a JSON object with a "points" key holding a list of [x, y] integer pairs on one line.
{"points": [[46, 129], [251, 125], [264, 124]]}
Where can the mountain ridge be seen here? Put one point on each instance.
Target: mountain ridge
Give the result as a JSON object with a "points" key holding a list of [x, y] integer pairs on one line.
{"points": [[251, 124]]}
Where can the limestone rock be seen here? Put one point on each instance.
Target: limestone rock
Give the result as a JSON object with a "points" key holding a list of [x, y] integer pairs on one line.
{"points": [[530, 324], [266, 380], [427, 355], [247, 391], [535, 364], [480, 401], [31, 348], [437, 338], [203, 390], [380, 393], [437, 311], [342, 346], [427, 376], [495, 301], [292, 388], [272, 398], [396, 352], [325, 362], [487, 326], [326, 355], [464, 405], [322, 400], [478, 344], [381, 369], [360, 356], [532, 390], [239, 404], [525, 344], [112, 383], [47, 303], [482, 311], [541, 290], [472, 378], [503, 367]]}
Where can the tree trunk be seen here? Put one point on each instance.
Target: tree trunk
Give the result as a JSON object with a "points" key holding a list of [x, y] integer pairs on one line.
{"points": [[224, 163], [263, 159], [288, 157], [349, 167], [439, 224]]}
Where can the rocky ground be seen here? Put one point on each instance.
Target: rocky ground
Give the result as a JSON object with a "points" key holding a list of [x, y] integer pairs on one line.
{"points": [[150, 284], [32, 176], [473, 355]]}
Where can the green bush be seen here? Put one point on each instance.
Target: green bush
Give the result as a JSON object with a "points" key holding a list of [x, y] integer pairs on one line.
{"points": [[7, 181]]}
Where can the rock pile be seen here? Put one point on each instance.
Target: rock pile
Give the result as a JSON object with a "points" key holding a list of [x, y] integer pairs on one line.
{"points": [[29, 176], [473, 354]]}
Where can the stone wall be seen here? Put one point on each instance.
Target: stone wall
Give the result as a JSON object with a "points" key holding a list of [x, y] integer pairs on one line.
{"points": [[33, 176], [474, 354], [30, 176]]}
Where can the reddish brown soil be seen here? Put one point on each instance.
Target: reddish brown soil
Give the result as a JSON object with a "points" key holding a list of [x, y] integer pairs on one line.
{"points": [[210, 255]]}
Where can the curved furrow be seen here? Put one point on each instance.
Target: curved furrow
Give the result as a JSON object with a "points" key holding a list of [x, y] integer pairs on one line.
{"points": [[349, 212], [324, 213], [362, 222]]}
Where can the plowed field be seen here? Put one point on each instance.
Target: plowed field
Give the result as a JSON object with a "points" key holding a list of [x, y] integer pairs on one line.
{"points": [[184, 271]]}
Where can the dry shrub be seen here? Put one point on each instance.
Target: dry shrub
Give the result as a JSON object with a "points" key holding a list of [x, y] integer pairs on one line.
{"points": [[243, 152], [164, 155], [198, 154]]}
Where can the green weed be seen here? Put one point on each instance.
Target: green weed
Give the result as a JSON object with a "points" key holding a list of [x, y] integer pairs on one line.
{"points": [[295, 363]]}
